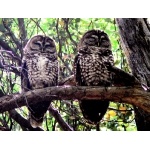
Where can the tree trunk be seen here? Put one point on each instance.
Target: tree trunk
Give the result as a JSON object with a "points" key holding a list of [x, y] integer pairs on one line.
{"points": [[135, 41]]}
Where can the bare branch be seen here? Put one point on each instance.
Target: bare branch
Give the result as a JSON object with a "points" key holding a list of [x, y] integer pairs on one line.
{"points": [[60, 48], [131, 95], [11, 68], [23, 33], [10, 51], [67, 30], [70, 71], [57, 116], [37, 23], [12, 35]]}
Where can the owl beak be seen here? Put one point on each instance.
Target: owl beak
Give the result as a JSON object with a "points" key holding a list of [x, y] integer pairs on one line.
{"points": [[42, 50]]}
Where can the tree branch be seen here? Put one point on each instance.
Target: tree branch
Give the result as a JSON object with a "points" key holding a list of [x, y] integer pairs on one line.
{"points": [[23, 33], [38, 25], [10, 51], [57, 116], [66, 20], [60, 48], [131, 95], [12, 35]]}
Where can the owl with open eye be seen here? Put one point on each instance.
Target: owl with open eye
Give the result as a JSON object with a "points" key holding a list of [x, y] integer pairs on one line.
{"points": [[91, 69], [39, 70]]}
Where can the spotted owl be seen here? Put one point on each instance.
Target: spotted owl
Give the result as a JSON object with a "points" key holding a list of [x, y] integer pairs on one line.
{"points": [[91, 69], [39, 70]]}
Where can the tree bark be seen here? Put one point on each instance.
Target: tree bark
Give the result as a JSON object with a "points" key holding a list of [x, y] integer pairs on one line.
{"points": [[135, 40]]}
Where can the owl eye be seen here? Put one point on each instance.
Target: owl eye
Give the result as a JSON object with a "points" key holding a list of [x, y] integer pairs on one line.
{"points": [[48, 46], [36, 46], [103, 38], [91, 41], [105, 43]]}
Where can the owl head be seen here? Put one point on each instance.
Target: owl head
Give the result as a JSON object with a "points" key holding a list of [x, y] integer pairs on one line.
{"points": [[96, 38], [40, 44]]}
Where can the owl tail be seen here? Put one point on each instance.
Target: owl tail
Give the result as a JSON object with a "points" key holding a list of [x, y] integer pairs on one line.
{"points": [[93, 110], [35, 122], [37, 113]]}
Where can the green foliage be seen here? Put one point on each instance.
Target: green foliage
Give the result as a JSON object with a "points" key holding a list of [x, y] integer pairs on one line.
{"points": [[66, 33]]}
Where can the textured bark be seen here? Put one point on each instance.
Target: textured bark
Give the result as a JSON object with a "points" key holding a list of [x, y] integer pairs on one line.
{"points": [[131, 95], [135, 39]]}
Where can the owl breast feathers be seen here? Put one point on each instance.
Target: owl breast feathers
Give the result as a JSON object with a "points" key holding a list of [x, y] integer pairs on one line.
{"points": [[91, 69], [40, 70]]}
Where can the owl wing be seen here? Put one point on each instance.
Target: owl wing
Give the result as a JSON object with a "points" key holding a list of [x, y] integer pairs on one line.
{"points": [[25, 84], [77, 70]]}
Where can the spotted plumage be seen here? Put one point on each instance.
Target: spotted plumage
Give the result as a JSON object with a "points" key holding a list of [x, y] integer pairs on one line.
{"points": [[91, 69], [40, 70]]}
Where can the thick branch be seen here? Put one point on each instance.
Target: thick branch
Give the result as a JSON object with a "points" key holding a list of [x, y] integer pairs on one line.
{"points": [[22, 29], [23, 33], [135, 96]]}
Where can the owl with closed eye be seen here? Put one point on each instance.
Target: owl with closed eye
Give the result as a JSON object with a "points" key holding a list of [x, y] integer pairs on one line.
{"points": [[39, 70], [91, 69]]}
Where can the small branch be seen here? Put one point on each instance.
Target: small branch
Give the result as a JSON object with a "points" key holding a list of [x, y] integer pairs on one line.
{"points": [[9, 51], [59, 41], [136, 96], [57, 116], [36, 22], [66, 21], [12, 35], [10, 68], [60, 48], [70, 71]]}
